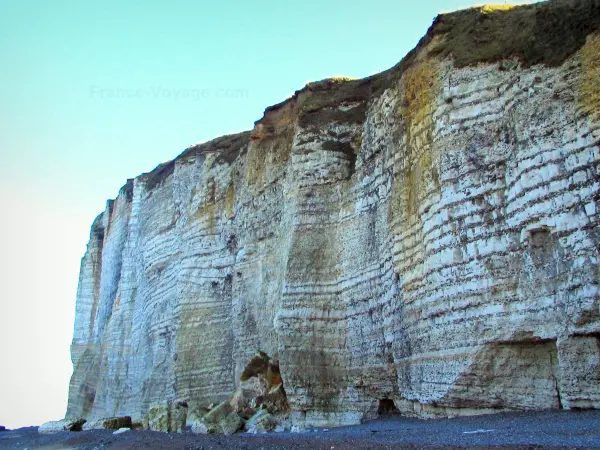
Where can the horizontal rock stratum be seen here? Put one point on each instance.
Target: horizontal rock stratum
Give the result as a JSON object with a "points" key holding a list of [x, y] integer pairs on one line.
{"points": [[429, 235]]}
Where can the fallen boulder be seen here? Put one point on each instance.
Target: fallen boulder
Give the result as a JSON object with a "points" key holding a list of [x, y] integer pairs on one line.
{"points": [[178, 417], [260, 399], [261, 422], [247, 397], [158, 417], [61, 425], [231, 424], [223, 419], [275, 400], [197, 426], [196, 412], [167, 416], [108, 423]]}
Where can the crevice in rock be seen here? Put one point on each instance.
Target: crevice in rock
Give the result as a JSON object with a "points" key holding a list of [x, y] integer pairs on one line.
{"points": [[553, 373]]}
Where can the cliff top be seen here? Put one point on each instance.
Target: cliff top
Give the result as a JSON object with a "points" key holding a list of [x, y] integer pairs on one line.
{"points": [[541, 33]]}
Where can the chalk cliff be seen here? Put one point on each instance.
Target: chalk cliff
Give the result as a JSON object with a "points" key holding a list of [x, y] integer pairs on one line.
{"points": [[429, 235]]}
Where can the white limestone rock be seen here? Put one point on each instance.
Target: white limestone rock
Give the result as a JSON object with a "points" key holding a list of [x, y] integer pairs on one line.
{"points": [[428, 236], [223, 419], [108, 423], [61, 425]]}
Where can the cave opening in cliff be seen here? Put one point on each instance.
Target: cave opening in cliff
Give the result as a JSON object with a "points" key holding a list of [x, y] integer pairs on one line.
{"points": [[387, 407]]}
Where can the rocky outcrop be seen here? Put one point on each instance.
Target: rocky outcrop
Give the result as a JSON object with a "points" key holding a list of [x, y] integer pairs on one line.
{"points": [[108, 423], [427, 237], [61, 425]]}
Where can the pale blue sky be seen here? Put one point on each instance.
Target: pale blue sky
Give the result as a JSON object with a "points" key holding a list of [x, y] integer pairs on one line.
{"points": [[95, 92]]}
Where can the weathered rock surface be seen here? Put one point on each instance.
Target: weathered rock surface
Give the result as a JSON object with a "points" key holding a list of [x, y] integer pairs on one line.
{"points": [[61, 425], [428, 235]]}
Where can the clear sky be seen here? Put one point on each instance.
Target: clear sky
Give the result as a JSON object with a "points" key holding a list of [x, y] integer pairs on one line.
{"points": [[95, 92]]}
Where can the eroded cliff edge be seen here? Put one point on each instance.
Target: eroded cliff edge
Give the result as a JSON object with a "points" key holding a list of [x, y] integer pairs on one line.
{"points": [[428, 235]]}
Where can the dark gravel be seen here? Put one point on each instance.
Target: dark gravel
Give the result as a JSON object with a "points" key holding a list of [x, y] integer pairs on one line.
{"points": [[549, 429]]}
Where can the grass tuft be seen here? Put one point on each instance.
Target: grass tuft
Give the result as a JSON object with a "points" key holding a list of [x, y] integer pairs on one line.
{"points": [[543, 33]]}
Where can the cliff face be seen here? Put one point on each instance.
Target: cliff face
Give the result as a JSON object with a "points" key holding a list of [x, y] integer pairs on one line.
{"points": [[429, 235]]}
